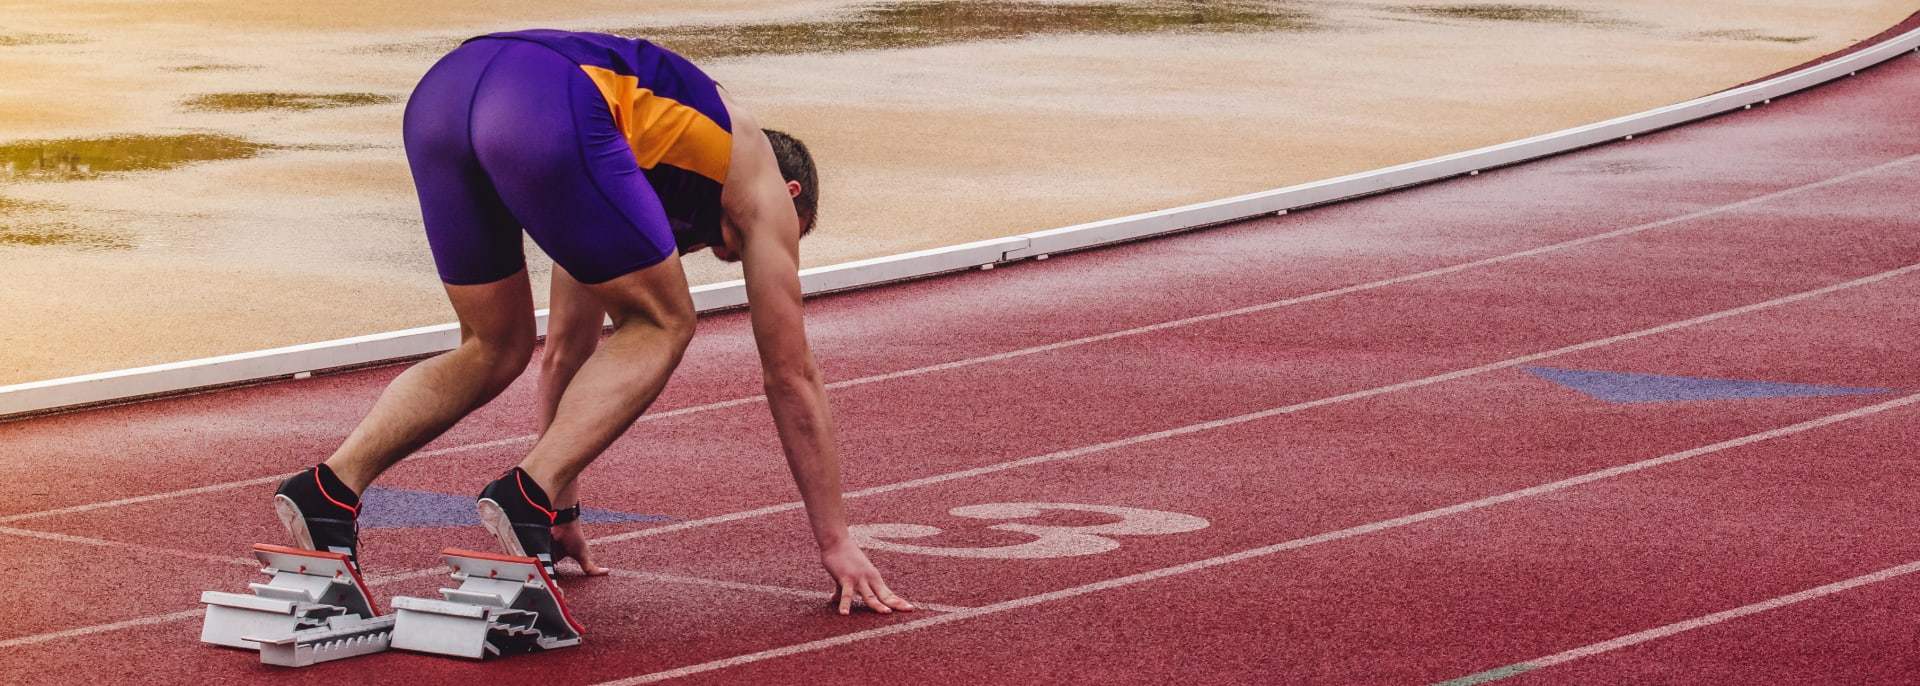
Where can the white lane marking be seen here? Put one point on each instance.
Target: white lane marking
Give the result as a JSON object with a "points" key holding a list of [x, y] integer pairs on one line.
{"points": [[1049, 541], [1262, 414], [1194, 428], [1397, 522], [101, 628], [997, 357], [1722, 616], [756, 588], [143, 499], [103, 543]]}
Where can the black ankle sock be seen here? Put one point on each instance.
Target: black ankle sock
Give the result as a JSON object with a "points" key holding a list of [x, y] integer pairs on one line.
{"points": [[333, 487]]}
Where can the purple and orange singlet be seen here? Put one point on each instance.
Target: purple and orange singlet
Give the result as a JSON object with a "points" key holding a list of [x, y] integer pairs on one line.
{"points": [[610, 153], [670, 113]]}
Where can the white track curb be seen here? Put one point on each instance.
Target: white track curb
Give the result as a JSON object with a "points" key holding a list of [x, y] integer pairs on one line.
{"points": [[115, 386]]}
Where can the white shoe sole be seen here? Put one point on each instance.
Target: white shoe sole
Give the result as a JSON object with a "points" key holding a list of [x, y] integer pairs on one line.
{"points": [[296, 524], [495, 519]]}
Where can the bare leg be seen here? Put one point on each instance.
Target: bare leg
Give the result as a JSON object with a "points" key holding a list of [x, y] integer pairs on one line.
{"points": [[573, 332], [574, 325], [496, 341], [653, 321]]}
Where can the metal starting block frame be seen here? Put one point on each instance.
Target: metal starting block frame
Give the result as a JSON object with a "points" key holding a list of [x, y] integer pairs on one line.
{"points": [[315, 609], [504, 605]]}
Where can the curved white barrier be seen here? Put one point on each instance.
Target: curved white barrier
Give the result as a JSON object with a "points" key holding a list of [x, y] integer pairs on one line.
{"points": [[299, 360]]}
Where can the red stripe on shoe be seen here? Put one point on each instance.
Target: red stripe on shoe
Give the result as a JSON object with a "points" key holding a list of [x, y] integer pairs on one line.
{"points": [[517, 473], [324, 494]]}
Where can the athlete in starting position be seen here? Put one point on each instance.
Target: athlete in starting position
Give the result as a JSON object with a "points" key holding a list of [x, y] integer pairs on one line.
{"points": [[617, 157]]}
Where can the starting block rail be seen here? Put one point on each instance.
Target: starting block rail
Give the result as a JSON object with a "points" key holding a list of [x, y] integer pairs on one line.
{"points": [[314, 609], [341, 638], [504, 605]]}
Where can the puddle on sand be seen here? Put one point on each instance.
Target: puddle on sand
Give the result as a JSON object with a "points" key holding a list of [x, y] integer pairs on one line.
{"points": [[261, 101], [1749, 34], [945, 22], [76, 159], [14, 39], [1540, 14]]}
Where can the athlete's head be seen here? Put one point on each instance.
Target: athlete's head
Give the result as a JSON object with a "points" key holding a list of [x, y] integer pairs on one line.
{"points": [[796, 166]]}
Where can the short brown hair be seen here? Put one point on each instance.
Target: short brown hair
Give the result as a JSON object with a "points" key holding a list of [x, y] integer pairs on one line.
{"points": [[796, 164]]}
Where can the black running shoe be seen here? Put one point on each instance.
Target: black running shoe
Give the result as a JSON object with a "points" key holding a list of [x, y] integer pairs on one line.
{"points": [[320, 512], [517, 512]]}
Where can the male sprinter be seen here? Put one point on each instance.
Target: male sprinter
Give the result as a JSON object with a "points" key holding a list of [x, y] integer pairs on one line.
{"points": [[616, 157]]}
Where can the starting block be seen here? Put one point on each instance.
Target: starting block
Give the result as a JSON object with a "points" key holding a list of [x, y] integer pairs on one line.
{"points": [[504, 605], [315, 609]]}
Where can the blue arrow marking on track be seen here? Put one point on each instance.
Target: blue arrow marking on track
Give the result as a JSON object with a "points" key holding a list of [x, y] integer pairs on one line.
{"points": [[1624, 387], [393, 508]]}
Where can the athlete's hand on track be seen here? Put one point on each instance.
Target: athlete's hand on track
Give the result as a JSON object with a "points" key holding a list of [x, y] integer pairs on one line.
{"points": [[569, 542], [855, 576]]}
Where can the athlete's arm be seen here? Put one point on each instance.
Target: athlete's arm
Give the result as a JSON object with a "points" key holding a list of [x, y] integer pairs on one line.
{"points": [[760, 209]]}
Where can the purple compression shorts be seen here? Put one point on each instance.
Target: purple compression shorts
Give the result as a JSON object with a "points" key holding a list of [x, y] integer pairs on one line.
{"points": [[503, 135]]}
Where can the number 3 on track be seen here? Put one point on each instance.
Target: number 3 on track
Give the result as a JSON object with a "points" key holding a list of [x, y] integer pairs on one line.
{"points": [[1050, 541]]}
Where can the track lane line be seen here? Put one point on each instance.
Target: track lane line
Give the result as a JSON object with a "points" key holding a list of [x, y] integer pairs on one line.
{"points": [[1683, 626], [103, 543], [1097, 338], [1342, 534], [100, 628], [1230, 421]]}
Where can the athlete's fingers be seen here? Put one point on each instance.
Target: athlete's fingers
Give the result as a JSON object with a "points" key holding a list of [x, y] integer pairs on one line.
{"points": [[846, 597], [586, 563], [892, 599], [572, 544], [873, 600]]}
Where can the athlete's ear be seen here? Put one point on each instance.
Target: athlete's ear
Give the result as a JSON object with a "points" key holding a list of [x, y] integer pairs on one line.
{"points": [[793, 189]]}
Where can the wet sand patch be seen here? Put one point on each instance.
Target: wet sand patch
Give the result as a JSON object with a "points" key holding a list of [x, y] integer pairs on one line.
{"points": [[436, 46], [8, 40], [928, 23], [190, 68], [77, 159], [1538, 14], [1751, 35], [18, 228], [57, 235], [258, 101]]}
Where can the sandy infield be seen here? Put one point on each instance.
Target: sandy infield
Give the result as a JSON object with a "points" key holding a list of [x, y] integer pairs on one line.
{"points": [[312, 232]]}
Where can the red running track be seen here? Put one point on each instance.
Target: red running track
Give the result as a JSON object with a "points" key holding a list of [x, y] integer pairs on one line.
{"points": [[1329, 415]]}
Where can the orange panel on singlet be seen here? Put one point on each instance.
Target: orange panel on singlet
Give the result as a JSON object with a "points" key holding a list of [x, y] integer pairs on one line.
{"points": [[661, 129]]}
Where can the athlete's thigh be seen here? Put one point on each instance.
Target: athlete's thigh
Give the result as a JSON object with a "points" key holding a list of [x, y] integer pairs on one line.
{"points": [[498, 313]]}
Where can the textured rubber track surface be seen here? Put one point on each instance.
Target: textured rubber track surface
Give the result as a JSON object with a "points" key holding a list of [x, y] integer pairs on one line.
{"points": [[1328, 390]]}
